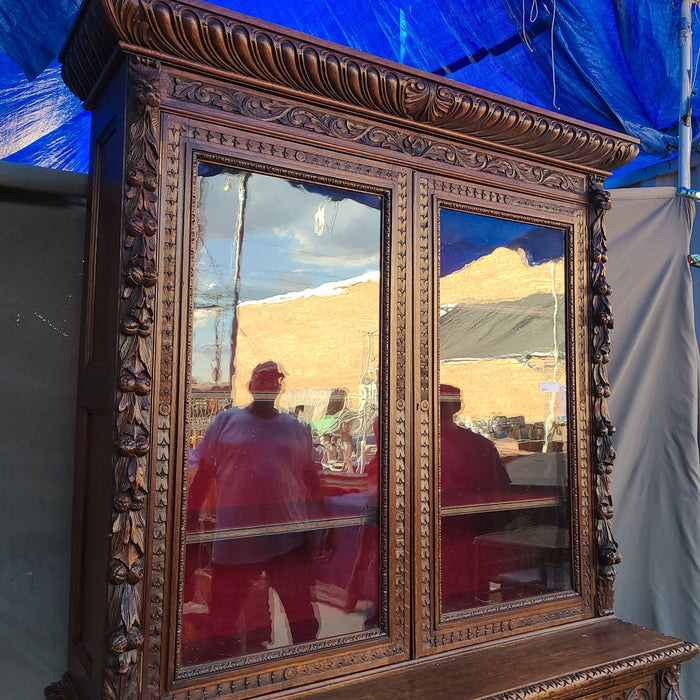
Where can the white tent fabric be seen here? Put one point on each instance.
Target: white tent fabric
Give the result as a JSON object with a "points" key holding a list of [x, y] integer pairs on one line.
{"points": [[654, 404]]}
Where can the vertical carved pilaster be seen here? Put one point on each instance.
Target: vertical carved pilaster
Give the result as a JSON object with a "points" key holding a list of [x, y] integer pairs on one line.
{"points": [[133, 400], [603, 429], [670, 680]]}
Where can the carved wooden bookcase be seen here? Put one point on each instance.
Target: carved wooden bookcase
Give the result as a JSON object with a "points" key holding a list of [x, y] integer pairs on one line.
{"points": [[181, 92]]}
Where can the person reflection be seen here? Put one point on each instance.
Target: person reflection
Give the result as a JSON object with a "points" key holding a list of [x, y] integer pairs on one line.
{"points": [[261, 461], [471, 470]]}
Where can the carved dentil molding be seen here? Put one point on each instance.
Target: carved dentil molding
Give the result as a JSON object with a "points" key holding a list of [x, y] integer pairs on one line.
{"points": [[231, 44]]}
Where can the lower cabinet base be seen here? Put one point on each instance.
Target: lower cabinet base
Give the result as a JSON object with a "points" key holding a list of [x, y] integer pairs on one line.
{"points": [[604, 659]]}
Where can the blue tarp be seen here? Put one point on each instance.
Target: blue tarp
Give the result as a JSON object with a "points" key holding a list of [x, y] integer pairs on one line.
{"points": [[610, 62]]}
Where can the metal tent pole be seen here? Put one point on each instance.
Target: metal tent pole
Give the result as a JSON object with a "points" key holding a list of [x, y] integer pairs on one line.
{"points": [[685, 45]]}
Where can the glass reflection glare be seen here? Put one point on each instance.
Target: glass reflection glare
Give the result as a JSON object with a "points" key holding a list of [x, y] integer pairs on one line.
{"points": [[504, 507], [282, 536]]}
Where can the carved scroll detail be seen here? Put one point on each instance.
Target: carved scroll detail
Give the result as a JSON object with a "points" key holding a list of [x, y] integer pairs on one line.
{"points": [[231, 44], [644, 691], [133, 429], [603, 429], [239, 102], [61, 690]]}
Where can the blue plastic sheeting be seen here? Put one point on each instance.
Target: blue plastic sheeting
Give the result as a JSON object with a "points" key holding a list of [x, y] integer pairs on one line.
{"points": [[610, 62], [33, 31]]}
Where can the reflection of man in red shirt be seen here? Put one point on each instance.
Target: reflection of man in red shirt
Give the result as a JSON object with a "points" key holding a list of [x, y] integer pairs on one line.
{"points": [[471, 470], [261, 461]]}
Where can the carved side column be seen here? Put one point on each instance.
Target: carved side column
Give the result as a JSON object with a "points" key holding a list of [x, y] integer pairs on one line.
{"points": [[603, 429], [133, 414]]}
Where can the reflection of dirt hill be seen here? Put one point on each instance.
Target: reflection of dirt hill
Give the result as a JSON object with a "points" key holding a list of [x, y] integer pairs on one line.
{"points": [[504, 275], [319, 341], [322, 342], [509, 386]]}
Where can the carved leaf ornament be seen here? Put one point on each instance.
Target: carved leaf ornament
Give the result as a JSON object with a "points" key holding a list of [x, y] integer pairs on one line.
{"points": [[603, 429], [127, 542]]}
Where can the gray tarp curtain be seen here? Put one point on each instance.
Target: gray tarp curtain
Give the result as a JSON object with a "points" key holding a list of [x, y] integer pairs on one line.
{"points": [[654, 404]]}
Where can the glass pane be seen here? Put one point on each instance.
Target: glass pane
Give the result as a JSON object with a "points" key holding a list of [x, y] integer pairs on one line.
{"points": [[504, 507], [282, 528]]}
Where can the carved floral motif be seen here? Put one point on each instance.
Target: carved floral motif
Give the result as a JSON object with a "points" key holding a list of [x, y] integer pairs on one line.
{"points": [[127, 543], [603, 430]]}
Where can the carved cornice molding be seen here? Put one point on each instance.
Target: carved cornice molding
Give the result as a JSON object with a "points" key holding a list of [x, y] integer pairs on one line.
{"points": [[357, 131], [181, 30]]}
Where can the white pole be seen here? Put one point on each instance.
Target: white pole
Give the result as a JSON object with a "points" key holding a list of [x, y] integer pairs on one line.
{"points": [[685, 44]]}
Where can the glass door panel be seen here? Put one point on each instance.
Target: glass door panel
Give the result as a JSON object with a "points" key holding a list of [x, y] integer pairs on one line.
{"points": [[282, 534], [503, 476]]}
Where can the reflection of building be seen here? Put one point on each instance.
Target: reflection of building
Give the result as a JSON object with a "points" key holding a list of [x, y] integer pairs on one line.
{"points": [[204, 406], [498, 337], [320, 340], [301, 333], [485, 299]]}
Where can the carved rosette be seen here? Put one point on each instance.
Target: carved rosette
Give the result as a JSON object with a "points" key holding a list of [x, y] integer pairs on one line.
{"points": [[603, 429], [133, 433]]}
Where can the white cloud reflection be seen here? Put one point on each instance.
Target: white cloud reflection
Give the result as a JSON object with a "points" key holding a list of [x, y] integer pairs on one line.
{"points": [[282, 250]]}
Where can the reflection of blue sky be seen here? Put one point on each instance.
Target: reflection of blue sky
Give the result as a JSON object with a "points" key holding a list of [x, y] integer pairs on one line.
{"points": [[465, 237], [282, 252], [295, 239]]}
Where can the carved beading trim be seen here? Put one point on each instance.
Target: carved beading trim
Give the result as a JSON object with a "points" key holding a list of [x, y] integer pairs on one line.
{"points": [[399, 239], [165, 397], [603, 430], [133, 401], [229, 43], [577, 396], [233, 100], [423, 413]]}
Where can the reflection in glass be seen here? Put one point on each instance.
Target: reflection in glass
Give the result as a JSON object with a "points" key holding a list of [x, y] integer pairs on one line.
{"points": [[282, 536], [504, 508]]}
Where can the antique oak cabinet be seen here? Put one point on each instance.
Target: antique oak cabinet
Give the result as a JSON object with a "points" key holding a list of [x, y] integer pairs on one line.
{"points": [[342, 427]]}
